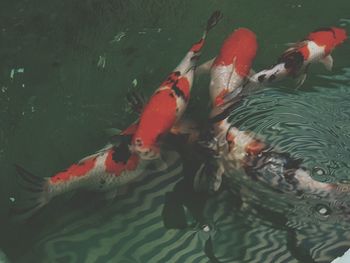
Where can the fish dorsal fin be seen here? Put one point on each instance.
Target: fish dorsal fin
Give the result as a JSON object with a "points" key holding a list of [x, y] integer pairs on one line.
{"points": [[293, 48], [99, 152], [252, 72], [110, 132], [327, 61]]}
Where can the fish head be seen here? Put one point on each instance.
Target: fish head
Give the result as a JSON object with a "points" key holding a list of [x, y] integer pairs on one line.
{"points": [[146, 148]]}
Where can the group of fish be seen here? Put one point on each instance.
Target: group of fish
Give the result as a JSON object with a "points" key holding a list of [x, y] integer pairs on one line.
{"points": [[229, 148]]}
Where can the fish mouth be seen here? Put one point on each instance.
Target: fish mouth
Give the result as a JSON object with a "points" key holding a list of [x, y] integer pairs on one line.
{"points": [[147, 153]]}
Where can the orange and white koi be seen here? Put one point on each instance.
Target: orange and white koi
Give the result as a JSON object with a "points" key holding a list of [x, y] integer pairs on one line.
{"points": [[294, 62], [107, 170], [169, 101]]}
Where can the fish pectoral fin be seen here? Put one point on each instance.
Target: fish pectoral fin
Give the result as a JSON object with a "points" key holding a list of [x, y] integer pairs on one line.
{"points": [[110, 132], [114, 136], [136, 101], [204, 68], [327, 61], [290, 44], [118, 191], [300, 80]]}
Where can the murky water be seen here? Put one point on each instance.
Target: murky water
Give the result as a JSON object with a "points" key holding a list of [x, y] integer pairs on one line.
{"points": [[65, 68]]}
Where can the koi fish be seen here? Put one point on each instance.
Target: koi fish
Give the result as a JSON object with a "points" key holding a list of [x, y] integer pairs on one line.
{"points": [[295, 61], [229, 71], [168, 103], [243, 151], [232, 66], [109, 170]]}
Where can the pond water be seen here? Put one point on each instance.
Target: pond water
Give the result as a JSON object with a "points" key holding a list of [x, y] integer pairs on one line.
{"points": [[65, 69]]}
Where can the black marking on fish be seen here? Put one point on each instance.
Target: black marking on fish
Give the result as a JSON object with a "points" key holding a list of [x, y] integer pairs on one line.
{"points": [[272, 78], [289, 176], [178, 92], [121, 153], [325, 29], [293, 60], [173, 77], [261, 78]]}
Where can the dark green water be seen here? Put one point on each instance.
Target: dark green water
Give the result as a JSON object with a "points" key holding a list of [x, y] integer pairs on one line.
{"points": [[56, 111]]}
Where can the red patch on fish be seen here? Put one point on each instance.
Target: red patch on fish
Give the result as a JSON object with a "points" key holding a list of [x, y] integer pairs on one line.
{"points": [[197, 46], [255, 147], [238, 49], [158, 116], [328, 37], [304, 50], [230, 141], [219, 100], [117, 168], [160, 113], [76, 170]]}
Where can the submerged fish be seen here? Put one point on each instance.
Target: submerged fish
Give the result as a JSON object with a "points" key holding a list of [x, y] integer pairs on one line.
{"points": [[294, 62], [109, 170], [169, 101], [243, 151]]}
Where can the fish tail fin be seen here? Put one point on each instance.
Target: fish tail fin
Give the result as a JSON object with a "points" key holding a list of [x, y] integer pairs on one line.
{"points": [[33, 194], [189, 62], [214, 19], [212, 22]]}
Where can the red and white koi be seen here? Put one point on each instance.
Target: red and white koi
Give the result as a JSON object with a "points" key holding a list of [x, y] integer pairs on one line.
{"points": [[108, 170], [294, 62], [229, 71], [169, 101], [232, 66]]}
